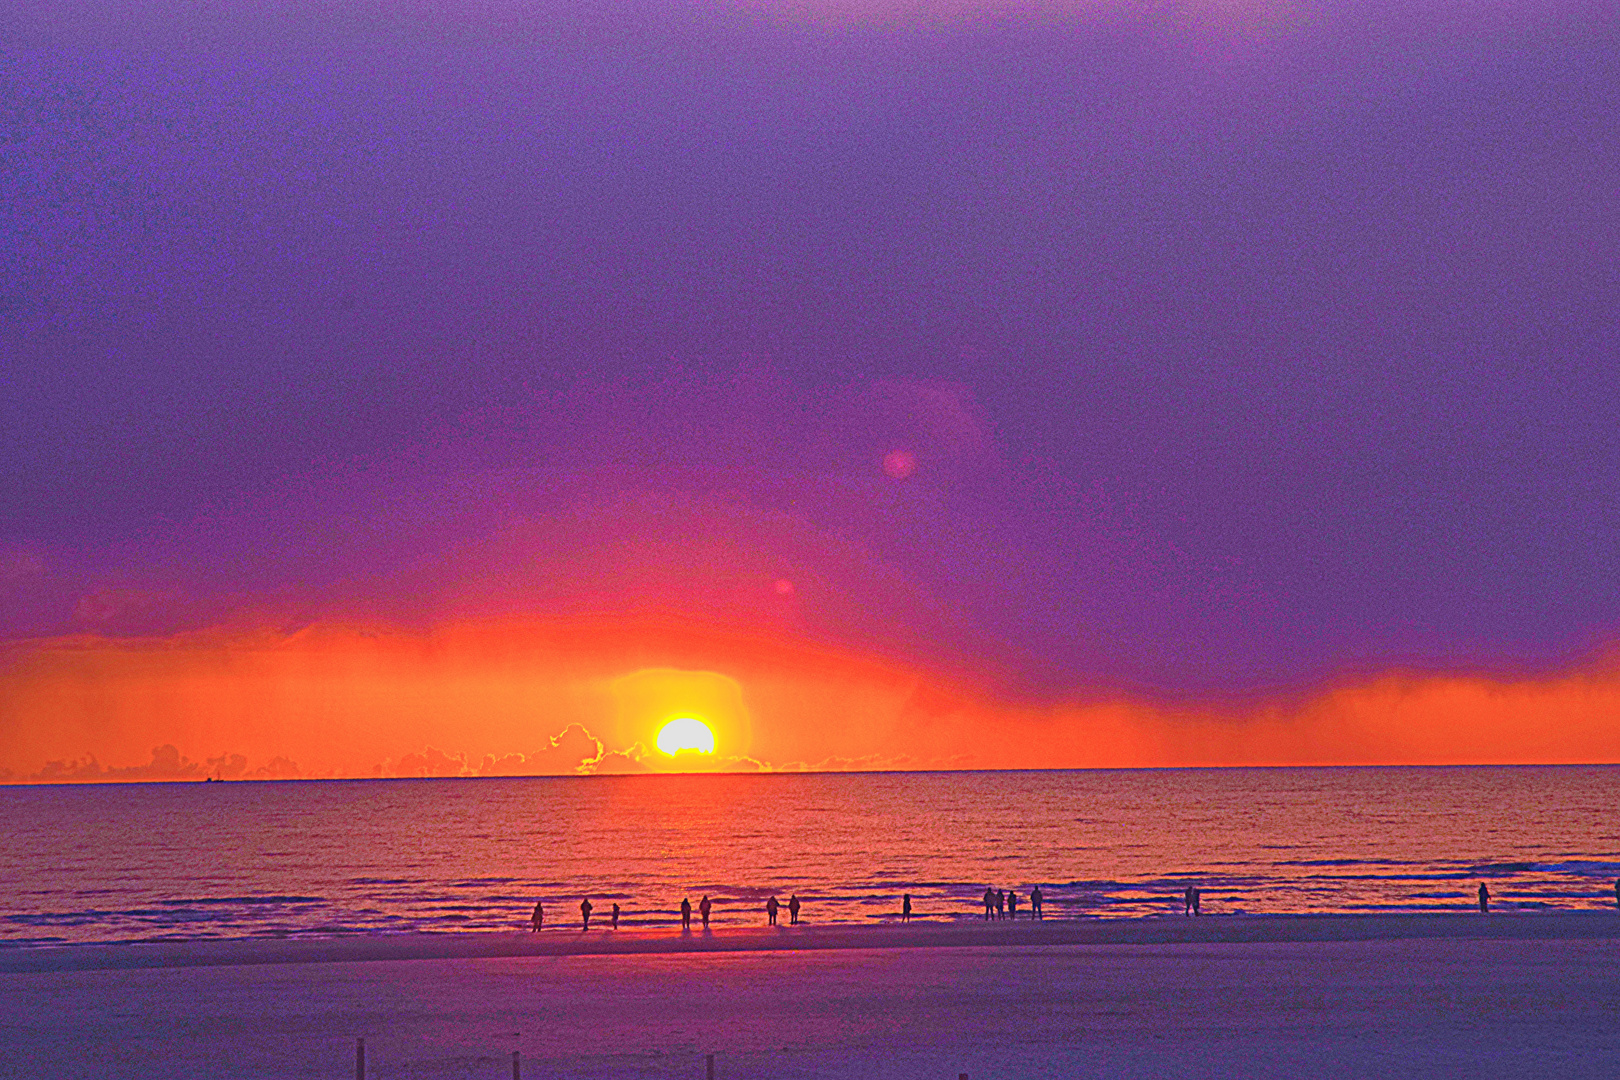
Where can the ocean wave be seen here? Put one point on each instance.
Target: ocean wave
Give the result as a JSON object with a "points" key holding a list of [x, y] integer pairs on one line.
{"points": [[849, 849]]}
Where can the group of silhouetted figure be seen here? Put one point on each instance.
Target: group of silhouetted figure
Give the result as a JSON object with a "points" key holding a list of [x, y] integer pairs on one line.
{"points": [[538, 919], [998, 904], [1004, 905], [705, 906], [771, 907]]}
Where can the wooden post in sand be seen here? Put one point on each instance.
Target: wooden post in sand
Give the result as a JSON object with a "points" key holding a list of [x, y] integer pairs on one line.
{"points": [[515, 1065], [711, 1067], [359, 1059]]}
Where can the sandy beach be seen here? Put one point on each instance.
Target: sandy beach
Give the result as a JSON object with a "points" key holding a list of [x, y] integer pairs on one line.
{"points": [[1400, 995]]}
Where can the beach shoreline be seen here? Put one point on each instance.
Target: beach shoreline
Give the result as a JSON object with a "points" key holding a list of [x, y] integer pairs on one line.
{"points": [[562, 941]]}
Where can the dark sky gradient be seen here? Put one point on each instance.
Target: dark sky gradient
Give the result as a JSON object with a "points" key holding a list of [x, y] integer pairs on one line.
{"points": [[1234, 350]]}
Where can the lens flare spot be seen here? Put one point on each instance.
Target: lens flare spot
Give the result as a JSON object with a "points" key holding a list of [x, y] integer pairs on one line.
{"points": [[685, 733]]}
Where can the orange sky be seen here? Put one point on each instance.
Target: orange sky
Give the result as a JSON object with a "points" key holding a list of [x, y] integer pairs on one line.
{"points": [[582, 695]]}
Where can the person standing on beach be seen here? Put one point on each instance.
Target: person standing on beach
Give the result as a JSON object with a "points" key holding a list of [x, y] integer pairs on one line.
{"points": [[1035, 899], [1001, 904], [1484, 899], [1186, 901], [615, 916], [1198, 894], [1012, 904], [770, 911], [686, 913], [539, 915], [793, 909], [989, 900], [585, 913], [905, 906], [703, 910]]}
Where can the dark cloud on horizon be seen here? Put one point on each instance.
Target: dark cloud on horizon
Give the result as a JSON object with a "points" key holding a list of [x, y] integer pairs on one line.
{"points": [[167, 765], [1226, 359]]}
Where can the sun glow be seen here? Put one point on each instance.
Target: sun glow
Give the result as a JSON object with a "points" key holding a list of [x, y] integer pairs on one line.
{"points": [[685, 733]]}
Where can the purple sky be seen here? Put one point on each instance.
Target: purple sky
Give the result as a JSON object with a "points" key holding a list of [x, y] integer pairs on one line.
{"points": [[1233, 350]]}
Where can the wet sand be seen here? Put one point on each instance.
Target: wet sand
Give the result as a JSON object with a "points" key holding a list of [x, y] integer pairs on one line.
{"points": [[1360, 996], [570, 941]]}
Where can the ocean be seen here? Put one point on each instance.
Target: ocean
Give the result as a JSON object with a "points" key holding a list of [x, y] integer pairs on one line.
{"points": [[97, 863]]}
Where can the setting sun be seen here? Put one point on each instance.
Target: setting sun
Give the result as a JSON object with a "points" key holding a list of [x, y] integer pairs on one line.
{"points": [[685, 733]]}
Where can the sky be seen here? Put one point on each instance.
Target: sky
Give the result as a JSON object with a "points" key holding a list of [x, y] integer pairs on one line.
{"points": [[397, 388]]}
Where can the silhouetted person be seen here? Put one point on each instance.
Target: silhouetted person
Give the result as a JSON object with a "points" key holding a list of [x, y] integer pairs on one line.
{"points": [[1001, 904], [1186, 901], [585, 913], [615, 916], [905, 905], [1035, 899], [770, 911], [686, 913], [1198, 895], [703, 910], [793, 909], [989, 901], [539, 916], [1484, 898], [1012, 904]]}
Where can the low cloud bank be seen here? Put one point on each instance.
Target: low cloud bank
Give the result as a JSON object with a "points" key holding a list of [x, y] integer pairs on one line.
{"points": [[523, 699], [569, 752], [167, 764]]}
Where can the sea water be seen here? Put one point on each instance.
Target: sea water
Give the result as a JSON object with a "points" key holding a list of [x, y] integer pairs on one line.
{"points": [[243, 859]]}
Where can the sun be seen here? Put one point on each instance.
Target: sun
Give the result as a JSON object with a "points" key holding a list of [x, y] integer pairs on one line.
{"points": [[685, 733]]}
